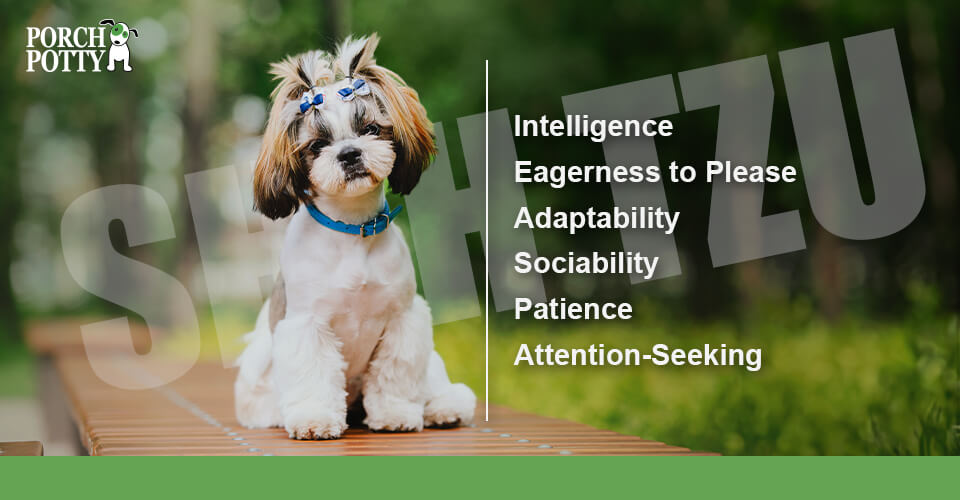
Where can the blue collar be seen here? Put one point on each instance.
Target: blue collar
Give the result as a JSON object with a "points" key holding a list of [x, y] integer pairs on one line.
{"points": [[376, 225]]}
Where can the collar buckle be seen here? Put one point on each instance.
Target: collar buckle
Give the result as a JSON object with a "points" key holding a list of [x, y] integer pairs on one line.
{"points": [[372, 223]]}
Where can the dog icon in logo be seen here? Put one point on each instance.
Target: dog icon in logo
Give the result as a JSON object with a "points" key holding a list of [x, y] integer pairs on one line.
{"points": [[118, 44]]}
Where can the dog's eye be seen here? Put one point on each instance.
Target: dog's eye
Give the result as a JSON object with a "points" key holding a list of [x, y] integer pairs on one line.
{"points": [[317, 145], [372, 129]]}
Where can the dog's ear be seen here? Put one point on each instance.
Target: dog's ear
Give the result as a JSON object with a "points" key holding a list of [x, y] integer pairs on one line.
{"points": [[413, 140], [412, 137], [107, 21], [281, 180], [135, 32]]}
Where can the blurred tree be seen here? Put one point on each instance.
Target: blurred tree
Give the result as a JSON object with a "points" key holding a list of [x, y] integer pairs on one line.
{"points": [[538, 52], [336, 20], [932, 35], [200, 56], [11, 116]]}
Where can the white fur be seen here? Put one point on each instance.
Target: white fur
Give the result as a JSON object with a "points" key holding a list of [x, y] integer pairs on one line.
{"points": [[353, 325]]}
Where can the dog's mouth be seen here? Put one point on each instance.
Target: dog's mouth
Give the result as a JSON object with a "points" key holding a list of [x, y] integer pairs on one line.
{"points": [[354, 172], [116, 42]]}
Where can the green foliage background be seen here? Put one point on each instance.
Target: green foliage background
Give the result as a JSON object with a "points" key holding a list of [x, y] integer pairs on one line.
{"points": [[863, 360]]}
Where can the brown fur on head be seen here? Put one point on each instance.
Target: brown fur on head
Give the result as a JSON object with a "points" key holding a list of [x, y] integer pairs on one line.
{"points": [[305, 153]]}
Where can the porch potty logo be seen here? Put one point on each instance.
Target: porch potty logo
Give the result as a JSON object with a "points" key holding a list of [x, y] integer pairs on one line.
{"points": [[81, 49]]}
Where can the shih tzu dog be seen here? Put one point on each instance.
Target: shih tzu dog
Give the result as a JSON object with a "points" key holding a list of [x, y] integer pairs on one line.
{"points": [[344, 327]]}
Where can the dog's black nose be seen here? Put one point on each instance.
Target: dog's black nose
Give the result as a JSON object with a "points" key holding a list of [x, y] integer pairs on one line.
{"points": [[349, 155]]}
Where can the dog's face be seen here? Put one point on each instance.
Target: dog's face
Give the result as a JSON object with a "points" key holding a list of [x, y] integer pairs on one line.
{"points": [[347, 146], [345, 142], [119, 34]]}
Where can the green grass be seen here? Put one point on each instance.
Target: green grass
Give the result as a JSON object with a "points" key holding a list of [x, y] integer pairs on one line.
{"points": [[17, 374], [846, 389]]}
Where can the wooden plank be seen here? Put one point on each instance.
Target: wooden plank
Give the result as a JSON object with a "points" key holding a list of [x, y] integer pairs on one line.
{"points": [[21, 449], [194, 416], [50, 337]]}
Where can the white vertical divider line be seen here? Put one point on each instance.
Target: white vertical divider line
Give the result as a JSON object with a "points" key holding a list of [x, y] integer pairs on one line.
{"points": [[486, 239]]}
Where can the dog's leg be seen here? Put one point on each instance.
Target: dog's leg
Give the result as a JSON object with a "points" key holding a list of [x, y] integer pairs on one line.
{"points": [[308, 372], [447, 404], [394, 385], [255, 400]]}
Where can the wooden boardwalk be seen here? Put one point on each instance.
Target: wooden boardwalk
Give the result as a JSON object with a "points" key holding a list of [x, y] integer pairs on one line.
{"points": [[194, 416], [21, 449]]}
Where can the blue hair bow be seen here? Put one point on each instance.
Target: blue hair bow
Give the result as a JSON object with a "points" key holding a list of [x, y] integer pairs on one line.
{"points": [[347, 93], [308, 102], [358, 87]]}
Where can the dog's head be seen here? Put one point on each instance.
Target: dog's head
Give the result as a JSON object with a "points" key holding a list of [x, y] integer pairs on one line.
{"points": [[119, 32], [340, 125]]}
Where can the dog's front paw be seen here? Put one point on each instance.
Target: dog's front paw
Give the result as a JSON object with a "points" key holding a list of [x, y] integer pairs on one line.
{"points": [[315, 425], [395, 416], [454, 406]]}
